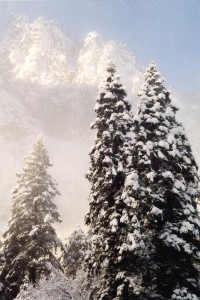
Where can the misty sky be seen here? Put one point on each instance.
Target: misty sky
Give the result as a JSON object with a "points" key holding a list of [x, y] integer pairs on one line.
{"points": [[166, 31]]}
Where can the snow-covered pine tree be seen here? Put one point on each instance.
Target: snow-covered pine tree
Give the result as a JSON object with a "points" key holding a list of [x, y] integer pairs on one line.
{"points": [[163, 187], [76, 249], [30, 241], [110, 217]]}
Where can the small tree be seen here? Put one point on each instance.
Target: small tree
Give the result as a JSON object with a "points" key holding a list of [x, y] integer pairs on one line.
{"points": [[30, 241], [163, 188], [58, 287], [110, 217], [76, 249]]}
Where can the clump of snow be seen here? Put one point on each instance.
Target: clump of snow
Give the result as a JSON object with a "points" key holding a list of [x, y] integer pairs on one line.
{"points": [[114, 225], [168, 174], [173, 240], [124, 218], [132, 181], [33, 231], [156, 211], [151, 175], [186, 227], [131, 240], [148, 147], [183, 294], [163, 144], [109, 95], [179, 185], [160, 154], [48, 218]]}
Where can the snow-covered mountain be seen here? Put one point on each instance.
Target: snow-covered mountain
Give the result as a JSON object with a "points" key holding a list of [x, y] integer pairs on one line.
{"points": [[42, 53], [95, 55], [48, 84], [39, 51]]}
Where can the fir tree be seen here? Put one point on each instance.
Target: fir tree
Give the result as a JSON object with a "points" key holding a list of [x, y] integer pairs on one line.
{"points": [[110, 217], [76, 249], [163, 188], [30, 241]]}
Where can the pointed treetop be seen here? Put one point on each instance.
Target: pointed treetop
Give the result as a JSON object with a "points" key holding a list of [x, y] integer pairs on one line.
{"points": [[39, 138], [39, 152], [38, 141], [153, 74], [153, 82], [111, 67], [111, 78], [152, 64]]}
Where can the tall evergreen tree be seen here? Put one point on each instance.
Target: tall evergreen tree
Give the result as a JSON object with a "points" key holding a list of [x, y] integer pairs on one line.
{"points": [[30, 241], [163, 188], [110, 217]]}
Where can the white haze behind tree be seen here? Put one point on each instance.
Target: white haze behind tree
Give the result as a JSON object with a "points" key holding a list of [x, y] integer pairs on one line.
{"points": [[48, 86]]}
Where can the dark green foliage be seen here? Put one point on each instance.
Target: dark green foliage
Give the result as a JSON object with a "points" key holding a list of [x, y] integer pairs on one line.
{"points": [[164, 191], [30, 241], [111, 217]]}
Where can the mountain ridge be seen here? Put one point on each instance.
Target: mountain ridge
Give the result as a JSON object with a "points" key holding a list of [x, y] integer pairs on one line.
{"points": [[42, 53]]}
